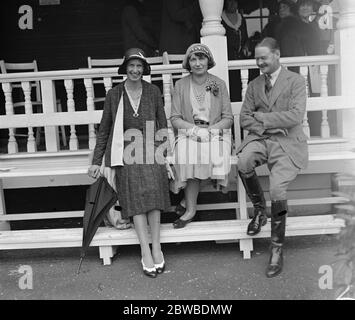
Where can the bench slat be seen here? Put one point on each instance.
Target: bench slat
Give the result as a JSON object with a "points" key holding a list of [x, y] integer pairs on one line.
{"points": [[200, 207], [195, 231]]}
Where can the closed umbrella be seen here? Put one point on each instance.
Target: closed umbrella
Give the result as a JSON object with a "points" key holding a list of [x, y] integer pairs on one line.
{"points": [[100, 197]]}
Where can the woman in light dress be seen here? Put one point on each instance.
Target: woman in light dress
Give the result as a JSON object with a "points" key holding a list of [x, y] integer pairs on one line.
{"points": [[201, 115]]}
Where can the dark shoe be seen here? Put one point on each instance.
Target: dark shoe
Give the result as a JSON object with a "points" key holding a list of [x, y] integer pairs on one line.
{"points": [[178, 224], [150, 272], [275, 262], [180, 210], [256, 223], [160, 267]]}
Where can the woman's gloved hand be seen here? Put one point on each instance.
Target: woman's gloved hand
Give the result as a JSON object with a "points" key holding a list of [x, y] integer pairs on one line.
{"points": [[94, 171], [169, 169], [203, 134]]}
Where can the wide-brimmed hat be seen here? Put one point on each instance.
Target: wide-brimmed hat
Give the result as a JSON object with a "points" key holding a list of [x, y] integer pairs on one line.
{"points": [[198, 48], [134, 53]]}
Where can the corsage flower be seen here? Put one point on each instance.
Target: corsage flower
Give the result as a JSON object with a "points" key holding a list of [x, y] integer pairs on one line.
{"points": [[213, 87]]}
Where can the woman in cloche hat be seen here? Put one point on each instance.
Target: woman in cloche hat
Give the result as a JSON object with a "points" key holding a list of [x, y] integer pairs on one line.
{"points": [[142, 184], [202, 116]]}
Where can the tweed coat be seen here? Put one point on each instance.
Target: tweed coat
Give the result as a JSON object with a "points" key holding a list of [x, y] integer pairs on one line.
{"points": [[284, 109]]}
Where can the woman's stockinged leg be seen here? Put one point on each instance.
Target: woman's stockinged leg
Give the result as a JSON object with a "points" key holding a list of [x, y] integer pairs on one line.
{"points": [[191, 192], [141, 228], [154, 223]]}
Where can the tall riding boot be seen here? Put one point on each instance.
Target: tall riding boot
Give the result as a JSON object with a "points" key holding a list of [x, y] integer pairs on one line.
{"points": [[256, 195], [278, 228]]}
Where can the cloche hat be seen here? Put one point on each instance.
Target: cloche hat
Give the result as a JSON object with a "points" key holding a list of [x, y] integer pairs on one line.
{"points": [[134, 53], [198, 48]]}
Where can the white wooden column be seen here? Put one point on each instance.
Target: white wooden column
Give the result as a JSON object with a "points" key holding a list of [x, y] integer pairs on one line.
{"points": [[345, 48], [49, 106], [213, 35]]}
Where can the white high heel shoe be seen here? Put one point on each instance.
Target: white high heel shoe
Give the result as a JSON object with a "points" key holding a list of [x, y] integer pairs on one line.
{"points": [[150, 272], [160, 267]]}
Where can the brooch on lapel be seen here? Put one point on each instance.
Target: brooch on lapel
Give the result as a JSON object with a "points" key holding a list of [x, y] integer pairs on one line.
{"points": [[213, 87]]}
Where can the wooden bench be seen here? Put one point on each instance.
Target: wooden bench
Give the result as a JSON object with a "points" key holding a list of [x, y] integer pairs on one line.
{"points": [[108, 239], [68, 168]]}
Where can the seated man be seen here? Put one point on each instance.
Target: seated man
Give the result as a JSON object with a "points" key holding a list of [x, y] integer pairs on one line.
{"points": [[272, 112]]}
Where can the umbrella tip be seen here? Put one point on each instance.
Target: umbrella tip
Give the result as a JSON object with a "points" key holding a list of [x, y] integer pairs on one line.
{"points": [[79, 267]]}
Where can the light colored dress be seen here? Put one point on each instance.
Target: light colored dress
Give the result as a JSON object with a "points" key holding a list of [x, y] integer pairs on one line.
{"points": [[195, 159]]}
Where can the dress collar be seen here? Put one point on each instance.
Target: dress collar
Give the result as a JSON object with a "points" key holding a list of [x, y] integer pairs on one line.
{"points": [[229, 23]]}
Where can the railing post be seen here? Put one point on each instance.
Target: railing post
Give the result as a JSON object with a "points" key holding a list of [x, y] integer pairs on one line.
{"points": [[107, 83], [90, 107], [167, 87], [213, 35], [344, 46], [49, 106], [31, 143], [305, 123], [12, 146], [69, 87], [325, 130], [244, 73]]}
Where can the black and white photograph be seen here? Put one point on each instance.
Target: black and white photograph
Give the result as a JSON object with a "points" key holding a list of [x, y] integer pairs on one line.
{"points": [[177, 156]]}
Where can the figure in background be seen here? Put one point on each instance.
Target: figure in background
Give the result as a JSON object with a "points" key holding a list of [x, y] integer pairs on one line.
{"points": [[180, 25], [202, 116], [307, 11], [285, 9], [295, 37], [131, 109], [237, 35], [272, 113], [137, 28]]}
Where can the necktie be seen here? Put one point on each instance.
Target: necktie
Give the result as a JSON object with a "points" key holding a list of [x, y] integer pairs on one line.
{"points": [[268, 85]]}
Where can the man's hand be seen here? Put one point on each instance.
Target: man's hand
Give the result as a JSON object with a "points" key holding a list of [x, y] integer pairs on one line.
{"points": [[276, 131], [258, 116]]}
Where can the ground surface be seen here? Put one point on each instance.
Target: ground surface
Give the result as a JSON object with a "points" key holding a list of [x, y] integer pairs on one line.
{"points": [[204, 270]]}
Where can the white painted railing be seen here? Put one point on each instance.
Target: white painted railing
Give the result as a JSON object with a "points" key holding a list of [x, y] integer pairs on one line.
{"points": [[320, 67], [49, 118], [82, 111]]}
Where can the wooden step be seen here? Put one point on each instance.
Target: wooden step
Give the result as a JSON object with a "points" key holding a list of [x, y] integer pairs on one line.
{"points": [[195, 231]]}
